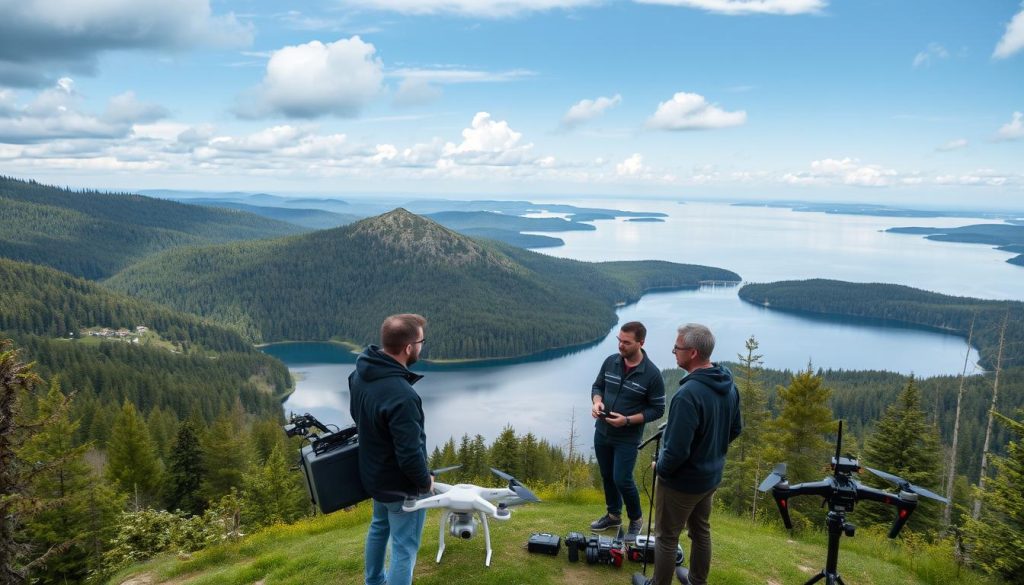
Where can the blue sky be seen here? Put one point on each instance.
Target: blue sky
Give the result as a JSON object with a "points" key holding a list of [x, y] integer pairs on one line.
{"points": [[910, 102]]}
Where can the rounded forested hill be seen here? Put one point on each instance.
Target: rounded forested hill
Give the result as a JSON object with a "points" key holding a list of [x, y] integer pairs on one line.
{"points": [[482, 298], [93, 234]]}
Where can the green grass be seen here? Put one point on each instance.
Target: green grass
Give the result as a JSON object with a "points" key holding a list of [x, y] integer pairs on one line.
{"points": [[329, 549]]}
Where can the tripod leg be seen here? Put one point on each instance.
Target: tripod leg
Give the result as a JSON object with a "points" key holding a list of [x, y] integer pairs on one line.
{"points": [[440, 537], [816, 578], [487, 538], [839, 580]]}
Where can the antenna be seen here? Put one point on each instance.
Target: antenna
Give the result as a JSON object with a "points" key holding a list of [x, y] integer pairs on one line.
{"points": [[839, 446]]}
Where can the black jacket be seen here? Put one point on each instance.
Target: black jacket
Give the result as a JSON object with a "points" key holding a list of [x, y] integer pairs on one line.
{"points": [[703, 419], [643, 390], [389, 418]]}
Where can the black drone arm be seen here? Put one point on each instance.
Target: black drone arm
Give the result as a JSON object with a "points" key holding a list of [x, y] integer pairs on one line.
{"points": [[783, 492], [905, 504]]}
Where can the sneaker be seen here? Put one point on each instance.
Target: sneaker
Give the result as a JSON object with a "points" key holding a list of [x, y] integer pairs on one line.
{"points": [[639, 579], [683, 575], [605, 522], [635, 526]]}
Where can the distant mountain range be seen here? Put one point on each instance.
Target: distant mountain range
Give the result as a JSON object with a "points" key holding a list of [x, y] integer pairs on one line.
{"points": [[93, 235], [483, 299]]}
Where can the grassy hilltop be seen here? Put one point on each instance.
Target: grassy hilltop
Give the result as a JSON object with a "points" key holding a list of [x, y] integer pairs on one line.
{"points": [[329, 550]]}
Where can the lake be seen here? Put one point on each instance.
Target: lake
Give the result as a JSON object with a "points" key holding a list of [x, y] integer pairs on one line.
{"points": [[761, 244]]}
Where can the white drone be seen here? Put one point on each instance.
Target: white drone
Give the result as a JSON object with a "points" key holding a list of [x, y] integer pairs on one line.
{"points": [[464, 503]]}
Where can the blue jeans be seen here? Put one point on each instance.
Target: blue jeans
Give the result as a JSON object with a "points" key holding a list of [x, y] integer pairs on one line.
{"points": [[404, 530], [616, 461]]}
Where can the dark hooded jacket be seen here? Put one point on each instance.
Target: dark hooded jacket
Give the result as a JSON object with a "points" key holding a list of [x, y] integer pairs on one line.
{"points": [[703, 418], [389, 417]]}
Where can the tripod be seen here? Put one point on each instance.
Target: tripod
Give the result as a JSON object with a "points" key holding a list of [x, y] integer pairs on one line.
{"points": [[656, 437], [837, 526]]}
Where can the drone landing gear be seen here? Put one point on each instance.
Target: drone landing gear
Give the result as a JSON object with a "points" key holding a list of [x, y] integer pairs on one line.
{"points": [[446, 517], [837, 526]]}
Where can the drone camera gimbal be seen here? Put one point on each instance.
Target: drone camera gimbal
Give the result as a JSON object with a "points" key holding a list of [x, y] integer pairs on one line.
{"points": [[841, 492]]}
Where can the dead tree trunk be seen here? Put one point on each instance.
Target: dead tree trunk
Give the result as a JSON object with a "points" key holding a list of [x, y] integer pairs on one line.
{"points": [[991, 415], [947, 515]]}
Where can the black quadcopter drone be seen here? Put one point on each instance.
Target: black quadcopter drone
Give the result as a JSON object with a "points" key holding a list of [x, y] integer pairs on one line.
{"points": [[841, 491]]}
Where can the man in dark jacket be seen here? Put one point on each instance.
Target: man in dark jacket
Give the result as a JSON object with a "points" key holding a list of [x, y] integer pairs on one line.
{"points": [[703, 418], [392, 446], [629, 391]]}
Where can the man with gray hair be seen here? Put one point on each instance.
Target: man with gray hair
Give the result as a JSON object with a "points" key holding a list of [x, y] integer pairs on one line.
{"points": [[703, 418]]}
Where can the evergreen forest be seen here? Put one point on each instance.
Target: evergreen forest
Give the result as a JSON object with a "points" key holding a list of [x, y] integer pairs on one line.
{"points": [[94, 235], [483, 299]]}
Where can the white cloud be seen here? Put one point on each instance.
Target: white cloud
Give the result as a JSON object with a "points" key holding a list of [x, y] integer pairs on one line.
{"points": [[738, 7], [977, 178], [934, 52], [845, 171], [586, 110], [480, 8], [690, 111], [632, 166], [314, 79], [420, 86], [56, 113], [1013, 38], [452, 75], [1012, 130], [45, 36], [953, 145], [489, 142]]}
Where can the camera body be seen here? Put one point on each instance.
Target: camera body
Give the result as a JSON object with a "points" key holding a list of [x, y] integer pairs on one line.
{"points": [[462, 525], [603, 550], [575, 543], [643, 549]]}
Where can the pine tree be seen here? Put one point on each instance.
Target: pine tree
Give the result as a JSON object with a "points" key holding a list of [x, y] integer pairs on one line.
{"points": [[904, 444], [997, 538], [504, 453], [185, 472], [225, 458], [798, 434], [16, 378], [746, 464], [57, 528], [272, 493], [132, 462]]}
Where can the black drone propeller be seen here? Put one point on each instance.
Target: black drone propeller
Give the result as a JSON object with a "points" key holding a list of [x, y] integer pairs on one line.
{"points": [[513, 484], [777, 475], [907, 486]]}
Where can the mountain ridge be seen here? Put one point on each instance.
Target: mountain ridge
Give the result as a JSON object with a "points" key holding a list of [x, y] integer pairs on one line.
{"points": [[484, 299]]}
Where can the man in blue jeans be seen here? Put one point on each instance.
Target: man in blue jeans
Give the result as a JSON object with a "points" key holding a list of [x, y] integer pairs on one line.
{"points": [[392, 446], [628, 392]]}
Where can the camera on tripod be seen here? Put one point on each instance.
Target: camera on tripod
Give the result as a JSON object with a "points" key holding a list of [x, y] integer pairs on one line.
{"points": [[841, 492]]}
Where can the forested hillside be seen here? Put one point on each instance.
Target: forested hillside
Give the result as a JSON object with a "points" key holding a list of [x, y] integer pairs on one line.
{"points": [[902, 304], [483, 298], [93, 234], [1008, 237], [203, 368]]}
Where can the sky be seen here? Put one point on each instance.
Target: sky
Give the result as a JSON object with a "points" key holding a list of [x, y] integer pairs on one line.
{"points": [[913, 103]]}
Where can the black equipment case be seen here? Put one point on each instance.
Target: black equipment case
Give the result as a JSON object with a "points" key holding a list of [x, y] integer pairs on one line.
{"points": [[548, 544], [331, 466]]}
